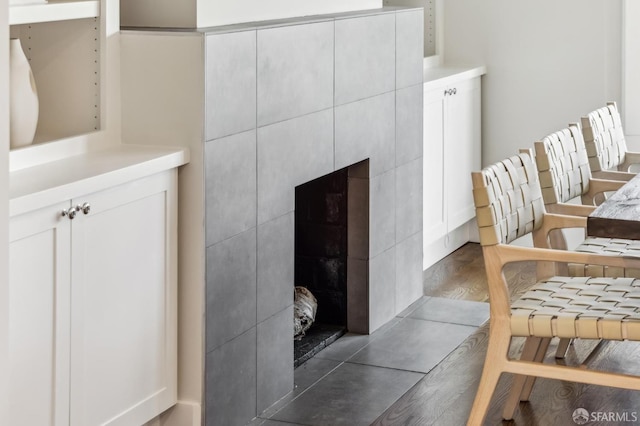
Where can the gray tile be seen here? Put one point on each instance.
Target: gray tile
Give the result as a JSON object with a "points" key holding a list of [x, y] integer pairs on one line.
{"points": [[275, 358], [409, 284], [408, 199], [382, 288], [415, 305], [230, 382], [311, 371], [382, 213], [275, 265], [291, 153], [366, 129], [466, 312], [357, 295], [414, 345], [409, 47], [295, 71], [230, 186], [349, 344], [358, 217], [231, 288], [230, 83], [409, 130], [365, 57], [277, 423], [365, 393]]}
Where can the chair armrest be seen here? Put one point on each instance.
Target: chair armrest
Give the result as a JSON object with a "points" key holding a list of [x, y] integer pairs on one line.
{"points": [[559, 221], [629, 159], [513, 253], [613, 175], [570, 209], [603, 185]]}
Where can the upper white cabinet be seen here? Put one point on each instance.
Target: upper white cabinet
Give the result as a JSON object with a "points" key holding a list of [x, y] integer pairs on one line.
{"points": [[452, 150]]}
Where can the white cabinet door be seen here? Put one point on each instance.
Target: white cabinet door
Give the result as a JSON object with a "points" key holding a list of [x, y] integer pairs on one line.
{"points": [[433, 189], [461, 150], [39, 317], [452, 144], [123, 332]]}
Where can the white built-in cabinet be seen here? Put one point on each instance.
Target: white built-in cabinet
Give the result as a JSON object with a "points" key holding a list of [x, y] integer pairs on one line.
{"points": [[452, 150], [93, 307], [93, 236]]}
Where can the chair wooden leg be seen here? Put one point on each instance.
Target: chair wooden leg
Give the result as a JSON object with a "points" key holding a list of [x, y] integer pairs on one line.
{"points": [[497, 352], [531, 380], [563, 346], [529, 352]]}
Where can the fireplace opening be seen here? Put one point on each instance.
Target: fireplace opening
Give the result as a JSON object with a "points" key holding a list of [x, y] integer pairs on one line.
{"points": [[331, 222]]}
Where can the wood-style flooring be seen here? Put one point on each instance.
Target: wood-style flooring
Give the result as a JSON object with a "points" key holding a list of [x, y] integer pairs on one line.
{"points": [[445, 395]]}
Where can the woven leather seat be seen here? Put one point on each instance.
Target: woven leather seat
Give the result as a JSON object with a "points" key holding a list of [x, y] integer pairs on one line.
{"points": [[509, 205], [568, 307]]}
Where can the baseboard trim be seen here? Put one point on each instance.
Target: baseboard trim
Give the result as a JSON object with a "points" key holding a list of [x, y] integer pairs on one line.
{"points": [[184, 413]]}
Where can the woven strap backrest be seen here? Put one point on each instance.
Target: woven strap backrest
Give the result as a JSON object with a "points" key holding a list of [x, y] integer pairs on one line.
{"points": [[508, 200], [604, 138], [563, 165]]}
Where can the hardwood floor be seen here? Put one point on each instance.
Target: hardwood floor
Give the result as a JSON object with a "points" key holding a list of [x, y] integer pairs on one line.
{"points": [[445, 395]]}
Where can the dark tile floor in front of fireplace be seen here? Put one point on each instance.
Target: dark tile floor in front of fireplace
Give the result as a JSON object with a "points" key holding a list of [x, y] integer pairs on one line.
{"points": [[353, 381]]}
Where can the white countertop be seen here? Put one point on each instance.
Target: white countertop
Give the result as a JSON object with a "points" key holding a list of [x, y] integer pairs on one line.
{"points": [[442, 75], [49, 183]]}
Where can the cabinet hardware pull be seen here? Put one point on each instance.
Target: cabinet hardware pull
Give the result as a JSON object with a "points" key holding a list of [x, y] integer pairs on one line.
{"points": [[84, 208], [70, 212]]}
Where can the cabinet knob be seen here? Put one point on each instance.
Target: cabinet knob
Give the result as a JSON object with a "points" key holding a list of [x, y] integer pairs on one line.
{"points": [[84, 208], [70, 212]]}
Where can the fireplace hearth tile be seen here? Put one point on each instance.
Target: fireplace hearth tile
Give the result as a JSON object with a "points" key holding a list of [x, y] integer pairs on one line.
{"points": [[366, 392], [467, 312], [414, 345], [295, 71], [365, 62]]}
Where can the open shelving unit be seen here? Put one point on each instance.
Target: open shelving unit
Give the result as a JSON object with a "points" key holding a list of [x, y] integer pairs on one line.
{"points": [[55, 10]]}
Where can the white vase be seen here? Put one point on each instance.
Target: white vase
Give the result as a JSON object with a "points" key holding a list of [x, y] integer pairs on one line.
{"points": [[23, 97]]}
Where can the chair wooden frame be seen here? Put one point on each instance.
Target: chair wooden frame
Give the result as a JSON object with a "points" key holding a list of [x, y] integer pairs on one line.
{"points": [[508, 206]]}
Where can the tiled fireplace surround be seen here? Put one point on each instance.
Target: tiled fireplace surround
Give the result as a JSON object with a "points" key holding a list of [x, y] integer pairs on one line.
{"points": [[294, 100]]}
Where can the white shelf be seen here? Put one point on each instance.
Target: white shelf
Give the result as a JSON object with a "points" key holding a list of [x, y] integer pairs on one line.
{"points": [[54, 10], [46, 184]]}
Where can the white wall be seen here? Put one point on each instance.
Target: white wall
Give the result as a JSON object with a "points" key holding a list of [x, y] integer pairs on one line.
{"points": [[207, 13], [548, 63], [4, 212]]}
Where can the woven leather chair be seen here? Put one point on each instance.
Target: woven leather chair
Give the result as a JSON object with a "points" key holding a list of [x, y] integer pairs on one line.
{"points": [[565, 173], [509, 205], [606, 144]]}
